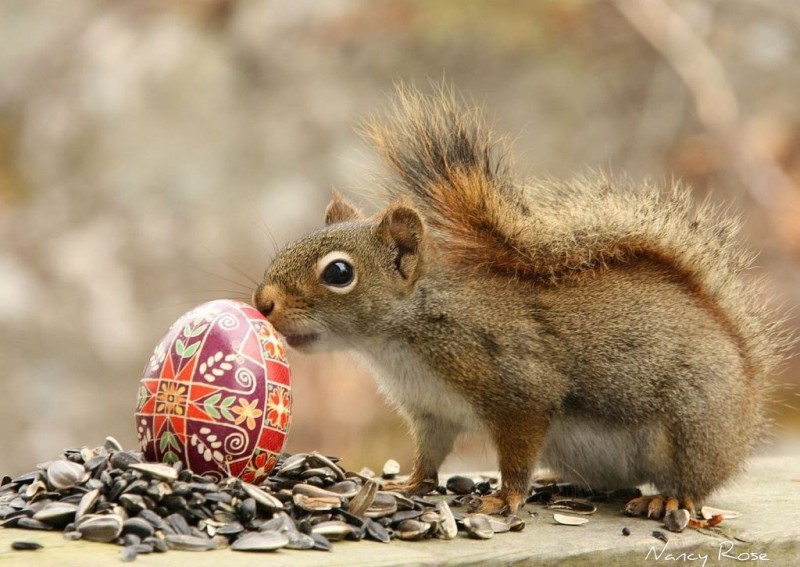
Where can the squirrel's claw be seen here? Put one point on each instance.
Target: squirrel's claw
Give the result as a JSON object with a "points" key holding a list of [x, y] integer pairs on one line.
{"points": [[497, 503], [656, 507]]}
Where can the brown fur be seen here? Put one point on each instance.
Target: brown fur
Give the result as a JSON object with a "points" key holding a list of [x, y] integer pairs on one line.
{"points": [[605, 330]]}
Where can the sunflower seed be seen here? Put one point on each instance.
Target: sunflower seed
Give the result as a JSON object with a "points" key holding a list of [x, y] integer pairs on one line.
{"points": [[184, 542], [298, 540], [111, 444], [63, 475], [261, 497], [280, 522], [401, 515], [156, 470], [87, 503], [376, 531], [344, 515], [137, 487], [234, 528], [128, 554], [383, 504], [260, 541], [478, 526], [293, 464], [117, 489], [660, 535], [56, 514], [35, 489], [391, 469], [158, 544], [133, 503], [412, 530], [317, 460], [316, 504], [345, 488], [137, 526], [178, 523], [25, 545], [153, 519], [515, 523], [103, 528], [447, 528], [123, 459], [321, 542], [363, 500], [30, 524], [499, 525], [247, 509], [573, 505], [98, 462], [130, 539], [405, 503], [460, 485], [335, 530]]}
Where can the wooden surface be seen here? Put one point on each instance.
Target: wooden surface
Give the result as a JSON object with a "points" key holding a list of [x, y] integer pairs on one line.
{"points": [[767, 495]]}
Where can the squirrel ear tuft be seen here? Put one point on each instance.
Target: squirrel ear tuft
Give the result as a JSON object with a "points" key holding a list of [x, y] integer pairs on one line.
{"points": [[402, 228], [341, 210]]}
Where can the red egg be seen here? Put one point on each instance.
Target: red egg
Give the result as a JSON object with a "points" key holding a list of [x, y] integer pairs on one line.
{"points": [[216, 394]]}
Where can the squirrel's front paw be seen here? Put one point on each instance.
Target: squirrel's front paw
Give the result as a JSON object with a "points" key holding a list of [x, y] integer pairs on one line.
{"points": [[412, 487], [497, 503], [657, 507]]}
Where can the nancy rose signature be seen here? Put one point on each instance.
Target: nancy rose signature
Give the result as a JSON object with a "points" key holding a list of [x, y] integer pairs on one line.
{"points": [[725, 552]]}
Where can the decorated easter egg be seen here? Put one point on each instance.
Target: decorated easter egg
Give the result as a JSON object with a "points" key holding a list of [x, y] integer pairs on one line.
{"points": [[216, 394]]}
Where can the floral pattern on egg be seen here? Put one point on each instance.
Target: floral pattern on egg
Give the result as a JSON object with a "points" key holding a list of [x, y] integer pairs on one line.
{"points": [[216, 394]]}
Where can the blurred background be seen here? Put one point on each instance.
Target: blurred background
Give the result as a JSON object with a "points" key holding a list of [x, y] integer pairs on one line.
{"points": [[153, 153]]}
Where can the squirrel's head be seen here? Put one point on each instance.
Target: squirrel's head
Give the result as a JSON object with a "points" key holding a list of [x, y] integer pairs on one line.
{"points": [[342, 282]]}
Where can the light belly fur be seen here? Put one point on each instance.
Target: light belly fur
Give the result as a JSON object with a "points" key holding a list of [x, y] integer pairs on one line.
{"points": [[412, 387], [602, 455]]}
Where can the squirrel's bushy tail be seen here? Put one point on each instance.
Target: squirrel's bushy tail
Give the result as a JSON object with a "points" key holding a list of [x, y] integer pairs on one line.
{"points": [[452, 168]]}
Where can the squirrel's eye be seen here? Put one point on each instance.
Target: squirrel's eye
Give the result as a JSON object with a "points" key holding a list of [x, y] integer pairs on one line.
{"points": [[338, 273]]}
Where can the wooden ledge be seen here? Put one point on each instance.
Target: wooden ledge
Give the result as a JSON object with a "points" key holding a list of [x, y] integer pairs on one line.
{"points": [[767, 495]]}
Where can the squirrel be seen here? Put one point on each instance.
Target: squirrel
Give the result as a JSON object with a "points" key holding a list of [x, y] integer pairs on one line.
{"points": [[604, 331]]}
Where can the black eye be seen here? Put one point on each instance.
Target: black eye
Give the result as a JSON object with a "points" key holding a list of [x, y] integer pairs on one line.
{"points": [[338, 273]]}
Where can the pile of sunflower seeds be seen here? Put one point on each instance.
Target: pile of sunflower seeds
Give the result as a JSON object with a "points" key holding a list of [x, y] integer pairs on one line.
{"points": [[106, 494]]}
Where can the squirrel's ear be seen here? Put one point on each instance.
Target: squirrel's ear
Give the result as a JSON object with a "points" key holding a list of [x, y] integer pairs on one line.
{"points": [[402, 228], [340, 210]]}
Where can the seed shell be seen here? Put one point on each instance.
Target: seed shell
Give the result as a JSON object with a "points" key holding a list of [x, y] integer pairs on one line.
{"points": [[391, 469], [569, 520], [575, 506], [709, 512], [677, 520]]}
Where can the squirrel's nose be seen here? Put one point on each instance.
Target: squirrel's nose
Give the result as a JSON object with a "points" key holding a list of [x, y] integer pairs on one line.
{"points": [[266, 307], [264, 299]]}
